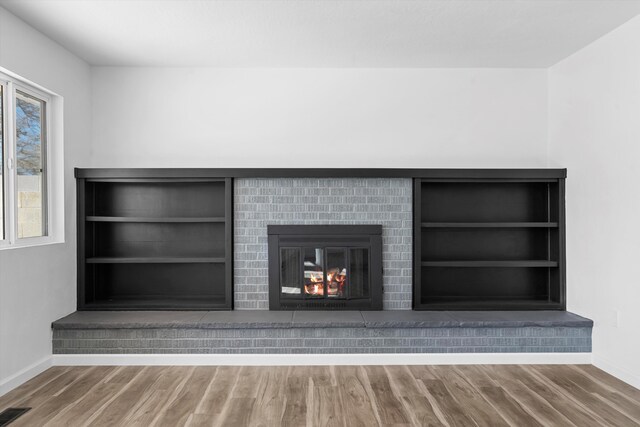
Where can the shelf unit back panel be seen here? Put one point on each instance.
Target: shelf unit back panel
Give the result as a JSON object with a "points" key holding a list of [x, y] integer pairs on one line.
{"points": [[130, 239], [179, 281], [485, 283], [158, 199], [485, 202], [495, 244]]}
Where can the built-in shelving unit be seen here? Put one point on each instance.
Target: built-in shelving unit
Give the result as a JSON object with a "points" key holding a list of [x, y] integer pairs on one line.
{"points": [[146, 241], [494, 242]]}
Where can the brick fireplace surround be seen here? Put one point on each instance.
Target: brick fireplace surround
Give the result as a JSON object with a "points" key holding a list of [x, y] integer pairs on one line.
{"points": [[262, 201]]}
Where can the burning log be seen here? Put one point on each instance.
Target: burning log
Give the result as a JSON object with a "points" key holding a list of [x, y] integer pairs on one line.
{"points": [[336, 281]]}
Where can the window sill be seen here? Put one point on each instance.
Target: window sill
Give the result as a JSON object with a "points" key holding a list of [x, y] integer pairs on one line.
{"points": [[31, 242]]}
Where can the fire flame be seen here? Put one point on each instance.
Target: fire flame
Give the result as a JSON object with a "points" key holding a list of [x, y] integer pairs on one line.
{"points": [[336, 280]]}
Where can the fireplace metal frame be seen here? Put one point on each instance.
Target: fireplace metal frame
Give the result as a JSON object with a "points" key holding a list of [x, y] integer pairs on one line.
{"points": [[326, 236]]}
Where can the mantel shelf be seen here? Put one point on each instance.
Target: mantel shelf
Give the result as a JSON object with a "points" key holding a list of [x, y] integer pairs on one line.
{"points": [[489, 225], [93, 218], [519, 263]]}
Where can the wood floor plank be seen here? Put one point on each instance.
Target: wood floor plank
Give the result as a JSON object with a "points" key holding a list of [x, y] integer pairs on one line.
{"points": [[321, 376], [124, 374], [421, 372], [508, 408], [469, 397], [519, 395], [490, 387], [249, 377], [508, 378], [477, 375], [357, 405], [114, 411], [218, 392], [145, 412], [324, 406], [169, 376], [237, 412], [49, 390], [389, 408], [184, 404], [31, 387], [624, 404], [66, 397], [157, 396], [416, 404], [611, 382], [270, 398], [454, 414], [585, 398], [200, 420], [575, 413], [79, 413], [296, 390]]}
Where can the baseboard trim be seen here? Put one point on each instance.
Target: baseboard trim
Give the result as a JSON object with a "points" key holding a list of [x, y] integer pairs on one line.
{"points": [[620, 373], [24, 375], [321, 359]]}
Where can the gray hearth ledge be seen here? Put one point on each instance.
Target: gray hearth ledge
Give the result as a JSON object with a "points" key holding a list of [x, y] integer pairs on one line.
{"points": [[320, 332], [246, 319]]}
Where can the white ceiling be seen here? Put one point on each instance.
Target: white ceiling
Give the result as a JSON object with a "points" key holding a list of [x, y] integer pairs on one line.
{"points": [[324, 33]]}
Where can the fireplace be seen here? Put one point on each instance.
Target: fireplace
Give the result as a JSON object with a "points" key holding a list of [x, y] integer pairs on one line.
{"points": [[325, 267]]}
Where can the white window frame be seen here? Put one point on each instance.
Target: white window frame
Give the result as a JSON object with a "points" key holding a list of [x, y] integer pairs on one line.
{"points": [[53, 193]]}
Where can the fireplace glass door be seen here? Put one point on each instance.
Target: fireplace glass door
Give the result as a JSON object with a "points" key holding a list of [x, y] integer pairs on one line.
{"points": [[324, 272], [319, 267]]}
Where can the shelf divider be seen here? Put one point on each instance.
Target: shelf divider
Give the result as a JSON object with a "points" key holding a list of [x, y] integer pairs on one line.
{"points": [[488, 263], [489, 225], [155, 260], [95, 218]]}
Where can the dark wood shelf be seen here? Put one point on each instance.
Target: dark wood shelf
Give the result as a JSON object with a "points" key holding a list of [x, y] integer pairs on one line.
{"points": [[158, 303], [154, 260], [519, 263], [489, 225], [92, 218], [445, 303]]}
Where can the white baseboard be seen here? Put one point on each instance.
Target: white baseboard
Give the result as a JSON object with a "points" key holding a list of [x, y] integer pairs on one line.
{"points": [[24, 375], [620, 373], [321, 359]]}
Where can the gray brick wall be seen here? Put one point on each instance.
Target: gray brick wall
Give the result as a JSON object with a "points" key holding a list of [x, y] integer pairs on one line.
{"points": [[323, 340], [262, 201]]}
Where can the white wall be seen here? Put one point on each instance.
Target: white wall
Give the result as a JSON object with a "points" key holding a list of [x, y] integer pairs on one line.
{"points": [[177, 117], [594, 130], [38, 285]]}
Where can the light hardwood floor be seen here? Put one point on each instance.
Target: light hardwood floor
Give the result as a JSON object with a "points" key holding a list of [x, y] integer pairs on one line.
{"points": [[342, 395]]}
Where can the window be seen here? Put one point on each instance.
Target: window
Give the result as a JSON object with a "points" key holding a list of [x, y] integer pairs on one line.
{"points": [[2, 174], [24, 163], [30, 113]]}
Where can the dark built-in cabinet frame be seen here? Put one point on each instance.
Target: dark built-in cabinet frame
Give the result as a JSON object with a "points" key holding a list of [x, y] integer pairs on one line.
{"points": [[485, 240], [149, 240]]}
